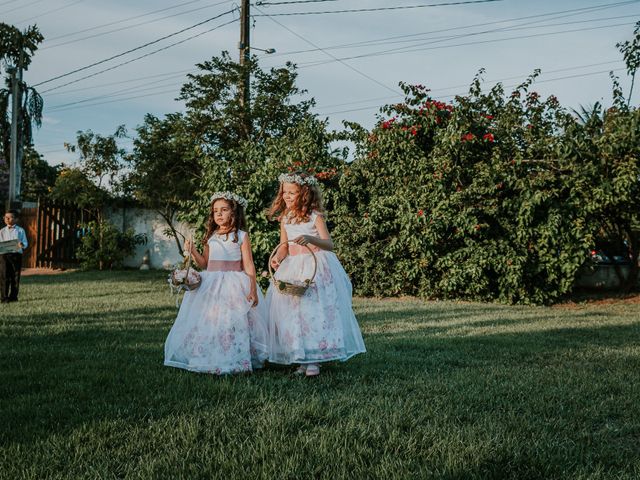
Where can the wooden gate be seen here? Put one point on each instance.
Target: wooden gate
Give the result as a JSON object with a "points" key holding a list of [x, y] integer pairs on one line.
{"points": [[55, 231]]}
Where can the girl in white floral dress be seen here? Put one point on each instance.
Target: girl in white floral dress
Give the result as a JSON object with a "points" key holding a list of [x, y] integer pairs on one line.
{"points": [[320, 325], [221, 326]]}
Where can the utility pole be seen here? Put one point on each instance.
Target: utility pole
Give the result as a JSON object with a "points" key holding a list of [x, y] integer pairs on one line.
{"points": [[15, 158], [245, 54]]}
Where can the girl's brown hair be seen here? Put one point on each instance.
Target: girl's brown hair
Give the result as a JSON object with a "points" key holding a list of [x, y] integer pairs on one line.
{"points": [[309, 200], [238, 221]]}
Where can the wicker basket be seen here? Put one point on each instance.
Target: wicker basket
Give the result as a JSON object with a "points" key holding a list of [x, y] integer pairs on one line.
{"points": [[289, 288], [179, 278]]}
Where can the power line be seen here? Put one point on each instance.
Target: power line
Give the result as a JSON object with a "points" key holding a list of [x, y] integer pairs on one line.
{"points": [[477, 42], [412, 48], [455, 87], [120, 82], [267, 4], [50, 11], [121, 21], [163, 83], [128, 27], [140, 57], [22, 6], [350, 67], [136, 48], [371, 106], [378, 9], [506, 86], [557, 14], [117, 100]]}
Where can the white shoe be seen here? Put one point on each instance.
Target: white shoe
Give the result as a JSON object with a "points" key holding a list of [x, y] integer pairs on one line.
{"points": [[313, 370]]}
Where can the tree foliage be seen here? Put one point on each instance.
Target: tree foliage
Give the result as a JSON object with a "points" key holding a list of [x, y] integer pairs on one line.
{"points": [[16, 49], [491, 197], [165, 167]]}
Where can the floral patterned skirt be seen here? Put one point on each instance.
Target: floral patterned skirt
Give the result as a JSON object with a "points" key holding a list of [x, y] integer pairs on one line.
{"points": [[320, 325], [216, 330]]}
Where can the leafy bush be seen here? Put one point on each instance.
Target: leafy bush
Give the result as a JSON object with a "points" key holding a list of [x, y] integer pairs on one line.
{"points": [[105, 247], [471, 199]]}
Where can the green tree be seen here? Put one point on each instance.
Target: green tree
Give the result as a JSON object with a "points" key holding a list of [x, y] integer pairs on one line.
{"points": [[16, 49], [217, 117], [165, 167], [38, 177], [463, 200], [630, 50], [101, 159], [282, 135], [92, 185]]}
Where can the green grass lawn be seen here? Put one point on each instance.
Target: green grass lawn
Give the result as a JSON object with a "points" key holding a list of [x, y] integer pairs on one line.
{"points": [[446, 390]]}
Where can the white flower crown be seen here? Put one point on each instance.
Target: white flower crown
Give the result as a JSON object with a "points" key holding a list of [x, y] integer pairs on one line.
{"points": [[230, 196], [294, 178]]}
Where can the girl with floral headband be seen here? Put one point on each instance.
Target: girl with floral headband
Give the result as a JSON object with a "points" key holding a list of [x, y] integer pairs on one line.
{"points": [[221, 326], [320, 325]]}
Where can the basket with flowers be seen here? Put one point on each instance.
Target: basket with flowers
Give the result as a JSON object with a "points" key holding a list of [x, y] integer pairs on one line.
{"points": [[293, 287], [184, 276]]}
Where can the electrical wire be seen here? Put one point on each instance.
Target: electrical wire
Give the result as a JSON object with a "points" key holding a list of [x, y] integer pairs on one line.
{"points": [[455, 87], [162, 83], [22, 6], [267, 4], [136, 48], [138, 58], [118, 100], [70, 34], [557, 14], [50, 11], [127, 27], [378, 9], [350, 67], [477, 42], [462, 93], [120, 82]]}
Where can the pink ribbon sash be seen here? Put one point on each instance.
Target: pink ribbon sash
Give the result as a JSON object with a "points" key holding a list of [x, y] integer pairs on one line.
{"points": [[295, 249], [224, 266]]}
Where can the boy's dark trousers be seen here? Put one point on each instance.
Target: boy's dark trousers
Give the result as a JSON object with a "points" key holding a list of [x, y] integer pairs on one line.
{"points": [[10, 268]]}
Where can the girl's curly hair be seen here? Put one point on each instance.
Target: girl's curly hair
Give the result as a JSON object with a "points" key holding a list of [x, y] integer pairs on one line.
{"points": [[309, 200]]}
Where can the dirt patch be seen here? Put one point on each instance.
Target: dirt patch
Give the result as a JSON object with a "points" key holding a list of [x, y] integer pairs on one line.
{"points": [[26, 272], [600, 299]]}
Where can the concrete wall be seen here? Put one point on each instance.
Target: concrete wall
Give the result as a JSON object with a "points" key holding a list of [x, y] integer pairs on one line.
{"points": [[163, 251]]}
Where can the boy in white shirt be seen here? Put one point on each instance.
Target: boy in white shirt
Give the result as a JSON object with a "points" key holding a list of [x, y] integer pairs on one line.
{"points": [[11, 263]]}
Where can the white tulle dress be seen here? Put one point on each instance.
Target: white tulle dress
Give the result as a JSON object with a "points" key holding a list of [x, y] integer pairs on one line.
{"points": [[320, 325], [217, 330]]}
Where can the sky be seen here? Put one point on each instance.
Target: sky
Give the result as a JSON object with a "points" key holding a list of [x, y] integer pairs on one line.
{"points": [[350, 62]]}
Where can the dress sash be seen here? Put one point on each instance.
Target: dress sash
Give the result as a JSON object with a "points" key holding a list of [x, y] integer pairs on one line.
{"points": [[224, 266], [295, 249]]}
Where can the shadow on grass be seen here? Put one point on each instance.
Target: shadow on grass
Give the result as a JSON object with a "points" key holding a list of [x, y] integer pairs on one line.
{"points": [[108, 365], [119, 276]]}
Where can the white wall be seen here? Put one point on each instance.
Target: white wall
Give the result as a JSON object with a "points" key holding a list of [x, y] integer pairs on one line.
{"points": [[163, 251]]}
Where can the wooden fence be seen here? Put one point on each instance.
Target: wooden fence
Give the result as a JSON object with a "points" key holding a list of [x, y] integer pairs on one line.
{"points": [[54, 231]]}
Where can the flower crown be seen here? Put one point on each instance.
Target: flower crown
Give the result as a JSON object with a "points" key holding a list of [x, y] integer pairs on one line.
{"points": [[295, 178], [230, 196]]}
